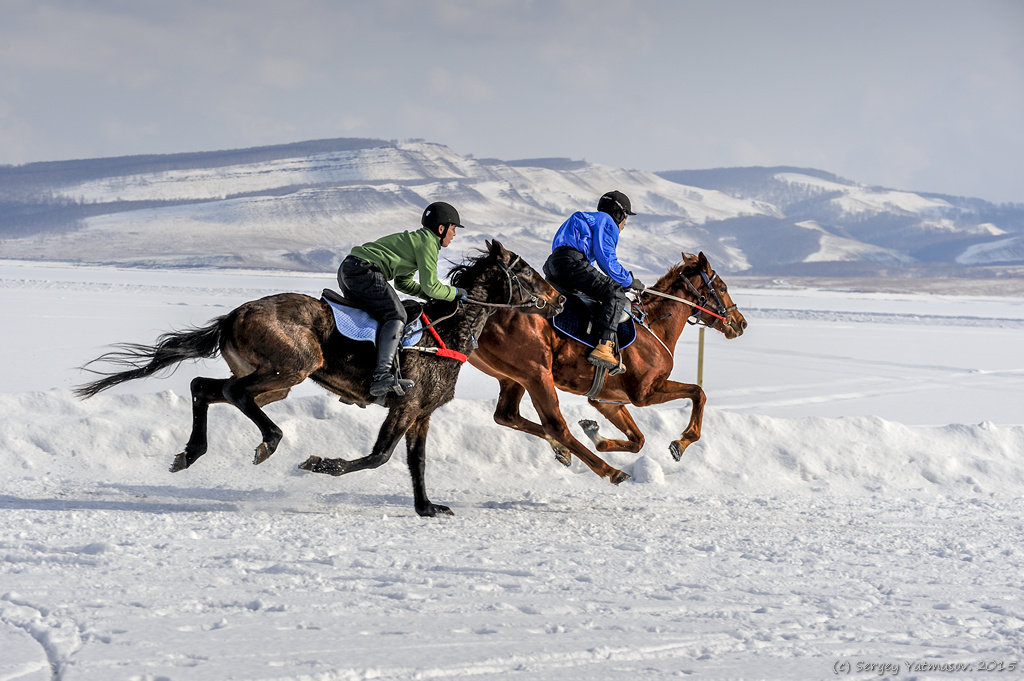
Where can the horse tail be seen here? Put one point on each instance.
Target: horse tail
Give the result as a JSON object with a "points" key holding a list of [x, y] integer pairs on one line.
{"points": [[145, 360]]}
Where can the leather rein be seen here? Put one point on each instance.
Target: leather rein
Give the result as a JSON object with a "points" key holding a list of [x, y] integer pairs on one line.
{"points": [[701, 300], [513, 278]]}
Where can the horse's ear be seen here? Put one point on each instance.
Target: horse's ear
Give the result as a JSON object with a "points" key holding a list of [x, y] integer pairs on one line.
{"points": [[487, 244], [702, 260], [498, 251]]}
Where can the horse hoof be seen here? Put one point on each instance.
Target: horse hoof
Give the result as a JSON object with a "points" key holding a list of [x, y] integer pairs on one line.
{"points": [[180, 463], [590, 427], [563, 457], [432, 510], [263, 453], [677, 448], [333, 467], [618, 477], [311, 464]]}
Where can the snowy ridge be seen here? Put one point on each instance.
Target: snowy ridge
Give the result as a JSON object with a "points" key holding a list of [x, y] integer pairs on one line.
{"points": [[859, 199], [303, 206], [832, 248], [999, 251], [130, 440]]}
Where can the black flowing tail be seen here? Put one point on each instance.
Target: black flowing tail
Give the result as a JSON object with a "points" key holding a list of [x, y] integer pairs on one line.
{"points": [[145, 360]]}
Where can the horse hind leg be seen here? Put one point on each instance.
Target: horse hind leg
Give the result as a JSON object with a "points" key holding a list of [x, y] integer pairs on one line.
{"points": [[205, 391], [249, 392]]}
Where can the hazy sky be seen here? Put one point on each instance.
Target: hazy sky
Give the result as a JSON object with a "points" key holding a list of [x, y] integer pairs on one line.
{"points": [[917, 94]]}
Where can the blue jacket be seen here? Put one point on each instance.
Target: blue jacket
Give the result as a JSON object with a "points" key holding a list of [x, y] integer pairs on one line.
{"points": [[596, 236]]}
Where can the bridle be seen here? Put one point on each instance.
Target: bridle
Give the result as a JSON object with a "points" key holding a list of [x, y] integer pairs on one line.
{"points": [[530, 298], [513, 278], [699, 311], [721, 311]]}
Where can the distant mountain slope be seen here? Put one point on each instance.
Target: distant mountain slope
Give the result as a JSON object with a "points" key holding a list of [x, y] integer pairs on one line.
{"points": [[919, 228], [304, 205]]}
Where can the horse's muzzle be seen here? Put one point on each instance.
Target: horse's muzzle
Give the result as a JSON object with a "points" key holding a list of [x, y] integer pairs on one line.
{"points": [[735, 326]]}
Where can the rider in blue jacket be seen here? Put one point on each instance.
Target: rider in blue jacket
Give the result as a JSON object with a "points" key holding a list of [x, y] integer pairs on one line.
{"points": [[586, 239]]}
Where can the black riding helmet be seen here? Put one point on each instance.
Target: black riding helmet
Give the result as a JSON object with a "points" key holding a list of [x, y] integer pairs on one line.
{"points": [[440, 213], [616, 204]]}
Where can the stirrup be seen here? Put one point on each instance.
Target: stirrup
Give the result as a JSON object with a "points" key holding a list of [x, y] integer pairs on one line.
{"points": [[388, 383], [613, 368], [603, 362]]}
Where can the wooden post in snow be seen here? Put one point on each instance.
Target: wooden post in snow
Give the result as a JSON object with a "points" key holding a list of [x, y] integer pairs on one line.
{"points": [[700, 357]]}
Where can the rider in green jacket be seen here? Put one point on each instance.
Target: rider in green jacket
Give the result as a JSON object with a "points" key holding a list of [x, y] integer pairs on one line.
{"points": [[402, 257]]}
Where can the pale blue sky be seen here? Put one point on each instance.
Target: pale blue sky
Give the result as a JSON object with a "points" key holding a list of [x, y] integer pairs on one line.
{"points": [[924, 95]]}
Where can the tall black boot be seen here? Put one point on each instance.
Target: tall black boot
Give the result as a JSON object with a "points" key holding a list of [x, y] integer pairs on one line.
{"points": [[384, 379]]}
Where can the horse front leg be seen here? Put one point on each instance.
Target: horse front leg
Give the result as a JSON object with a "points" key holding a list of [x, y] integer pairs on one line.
{"points": [[621, 419], [391, 431], [506, 413], [416, 445], [545, 401], [667, 391]]}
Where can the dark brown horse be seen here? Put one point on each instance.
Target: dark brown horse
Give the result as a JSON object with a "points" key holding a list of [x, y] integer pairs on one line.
{"points": [[527, 355], [275, 343]]}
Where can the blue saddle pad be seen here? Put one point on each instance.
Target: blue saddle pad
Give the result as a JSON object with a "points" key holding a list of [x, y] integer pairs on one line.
{"points": [[357, 324], [576, 321]]}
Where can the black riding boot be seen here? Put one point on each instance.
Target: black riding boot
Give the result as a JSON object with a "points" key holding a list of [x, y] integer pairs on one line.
{"points": [[385, 379]]}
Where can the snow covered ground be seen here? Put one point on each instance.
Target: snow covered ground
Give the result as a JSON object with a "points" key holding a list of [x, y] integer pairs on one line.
{"points": [[854, 508]]}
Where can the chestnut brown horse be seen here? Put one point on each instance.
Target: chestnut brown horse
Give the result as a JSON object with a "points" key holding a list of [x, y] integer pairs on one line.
{"points": [[527, 355], [274, 343]]}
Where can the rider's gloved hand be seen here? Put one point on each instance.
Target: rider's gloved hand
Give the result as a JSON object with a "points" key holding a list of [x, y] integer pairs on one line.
{"points": [[637, 285], [461, 293]]}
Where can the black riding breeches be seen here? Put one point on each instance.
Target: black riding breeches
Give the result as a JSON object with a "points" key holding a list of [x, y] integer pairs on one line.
{"points": [[568, 271], [364, 284]]}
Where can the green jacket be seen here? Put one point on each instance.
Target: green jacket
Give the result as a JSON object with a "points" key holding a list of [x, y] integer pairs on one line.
{"points": [[402, 255]]}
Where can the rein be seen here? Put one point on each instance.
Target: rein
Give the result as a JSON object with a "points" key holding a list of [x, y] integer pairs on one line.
{"points": [[534, 300], [684, 301], [443, 350]]}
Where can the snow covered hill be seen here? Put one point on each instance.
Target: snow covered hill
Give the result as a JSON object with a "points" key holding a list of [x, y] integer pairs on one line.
{"points": [[303, 205], [858, 223]]}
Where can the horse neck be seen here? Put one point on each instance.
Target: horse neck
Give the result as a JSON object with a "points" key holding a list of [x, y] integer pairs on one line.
{"points": [[669, 319], [463, 330]]}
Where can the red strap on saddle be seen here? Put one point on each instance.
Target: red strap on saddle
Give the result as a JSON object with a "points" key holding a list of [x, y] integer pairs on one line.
{"points": [[443, 350]]}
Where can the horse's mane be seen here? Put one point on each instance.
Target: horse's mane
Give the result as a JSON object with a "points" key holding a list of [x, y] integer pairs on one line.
{"points": [[680, 269], [461, 274], [468, 271]]}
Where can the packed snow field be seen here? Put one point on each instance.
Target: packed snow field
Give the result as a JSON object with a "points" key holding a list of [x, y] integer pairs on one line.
{"points": [[852, 510]]}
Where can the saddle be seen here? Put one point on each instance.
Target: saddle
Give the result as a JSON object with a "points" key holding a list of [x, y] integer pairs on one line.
{"points": [[356, 323], [576, 320]]}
